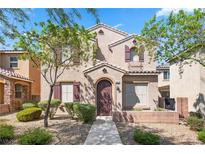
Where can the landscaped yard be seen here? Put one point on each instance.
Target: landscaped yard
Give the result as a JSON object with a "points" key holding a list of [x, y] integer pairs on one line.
{"points": [[169, 133], [64, 130]]}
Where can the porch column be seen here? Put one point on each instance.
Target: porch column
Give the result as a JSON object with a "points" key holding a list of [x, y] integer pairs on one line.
{"points": [[9, 93]]}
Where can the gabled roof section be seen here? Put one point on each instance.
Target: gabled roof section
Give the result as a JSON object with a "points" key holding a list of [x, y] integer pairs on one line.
{"points": [[102, 64], [10, 74], [122, 40], [109, 28]]}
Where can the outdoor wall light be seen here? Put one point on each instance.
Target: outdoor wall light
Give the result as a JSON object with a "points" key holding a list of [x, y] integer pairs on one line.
{"points": [[118, 89]]}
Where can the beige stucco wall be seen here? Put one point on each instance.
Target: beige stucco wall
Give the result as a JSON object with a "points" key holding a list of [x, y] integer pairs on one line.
{"points": [[34, 75], [103, 41], [187, 84], [25, 68]]}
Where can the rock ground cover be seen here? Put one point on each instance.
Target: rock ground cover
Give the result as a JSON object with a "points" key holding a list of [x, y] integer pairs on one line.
{"points": [[170, 134], [64, 129]]}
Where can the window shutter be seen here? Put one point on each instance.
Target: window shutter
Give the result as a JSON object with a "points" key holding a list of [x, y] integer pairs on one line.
{"points": [[76, 91], [127, 54], [57, 91], [141, 54]]}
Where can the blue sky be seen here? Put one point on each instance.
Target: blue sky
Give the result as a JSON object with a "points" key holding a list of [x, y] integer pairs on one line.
{"points": [[126, 19], [129, 20]]}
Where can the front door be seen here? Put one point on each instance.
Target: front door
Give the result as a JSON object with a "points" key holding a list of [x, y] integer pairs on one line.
{"points": [[104, 98]]}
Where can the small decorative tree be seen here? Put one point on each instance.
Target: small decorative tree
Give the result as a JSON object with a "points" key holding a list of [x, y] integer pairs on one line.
{"points": [[177, 37], [55, 48]]}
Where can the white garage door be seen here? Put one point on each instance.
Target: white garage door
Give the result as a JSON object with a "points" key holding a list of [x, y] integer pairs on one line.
{"points": [[67, 92], [136, 94]]}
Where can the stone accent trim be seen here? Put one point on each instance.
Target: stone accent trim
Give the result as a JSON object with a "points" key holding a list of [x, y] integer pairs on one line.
{"points": [[4, 108], [147, 117]]}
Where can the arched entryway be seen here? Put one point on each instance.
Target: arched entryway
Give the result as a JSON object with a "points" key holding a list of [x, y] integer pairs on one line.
{"points": [[104, 98]]}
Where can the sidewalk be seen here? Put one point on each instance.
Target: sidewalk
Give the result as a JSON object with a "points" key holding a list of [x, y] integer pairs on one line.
{"points": [[103, 132]]}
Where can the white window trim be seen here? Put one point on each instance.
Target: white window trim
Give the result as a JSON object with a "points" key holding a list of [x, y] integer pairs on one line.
{"points": [[70, 84], [13, 62]]}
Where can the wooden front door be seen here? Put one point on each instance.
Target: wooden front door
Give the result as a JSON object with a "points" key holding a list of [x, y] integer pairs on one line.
{"points": [[104, 98]]}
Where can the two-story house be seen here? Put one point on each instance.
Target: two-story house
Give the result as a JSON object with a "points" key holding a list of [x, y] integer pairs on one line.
{"points": [[184, 81], [19, 80], [120, 80]]}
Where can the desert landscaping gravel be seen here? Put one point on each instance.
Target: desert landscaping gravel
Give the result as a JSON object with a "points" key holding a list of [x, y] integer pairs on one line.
{"points": [[170, 134], [64, 130]]}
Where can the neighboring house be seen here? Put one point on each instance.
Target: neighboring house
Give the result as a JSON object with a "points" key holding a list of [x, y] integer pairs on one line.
{"points": [[164, 80], [120, 79], [187, 81], [19, 80]]}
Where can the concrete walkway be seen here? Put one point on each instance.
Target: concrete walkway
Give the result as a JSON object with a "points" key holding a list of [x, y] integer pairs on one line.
{"points": [[103, 132]]}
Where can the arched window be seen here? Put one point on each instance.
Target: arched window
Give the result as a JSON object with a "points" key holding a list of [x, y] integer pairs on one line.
{"points": [[133, 54]]}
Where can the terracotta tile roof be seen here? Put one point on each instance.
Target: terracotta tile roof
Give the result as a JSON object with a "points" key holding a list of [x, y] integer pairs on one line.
{"points": [[163, 66], [11, 74], [126, 72], [143, 72], [12, 51], [107, 27]]}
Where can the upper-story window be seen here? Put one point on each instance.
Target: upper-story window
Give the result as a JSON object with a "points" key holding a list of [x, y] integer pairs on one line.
{"points": [[166, 75], [137, 55], [133, 54], [13, 62]]}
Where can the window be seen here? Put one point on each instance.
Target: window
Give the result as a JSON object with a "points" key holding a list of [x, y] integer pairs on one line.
{"points": [[136, 94], [133, 54], [13, 62], [67, 92], [18, 91], [166, 75]]}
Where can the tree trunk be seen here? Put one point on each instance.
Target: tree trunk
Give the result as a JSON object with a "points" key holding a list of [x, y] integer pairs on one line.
{"points": [[48, 107]]}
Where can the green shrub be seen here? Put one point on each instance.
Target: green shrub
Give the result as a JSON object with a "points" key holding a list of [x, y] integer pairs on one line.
{"points": [[29, 104], [35, 136], [195, 114], [84, 112], [146, 138], [137, 109], [195, 123], [29, 114], [6, 133], [69, 108], [201, 135], [159, 109], [53, 107]]}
